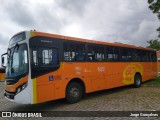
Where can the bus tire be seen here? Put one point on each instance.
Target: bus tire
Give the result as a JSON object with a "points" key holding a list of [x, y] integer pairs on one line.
{"points": [[74, 92], [137, 80]]}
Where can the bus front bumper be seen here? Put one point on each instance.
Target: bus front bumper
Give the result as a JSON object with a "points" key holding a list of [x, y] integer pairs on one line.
{"points": [[23, 97]]}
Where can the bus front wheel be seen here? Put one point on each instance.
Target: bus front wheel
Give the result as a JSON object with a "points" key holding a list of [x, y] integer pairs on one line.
{"points": [[74, 92], [137, 80]]}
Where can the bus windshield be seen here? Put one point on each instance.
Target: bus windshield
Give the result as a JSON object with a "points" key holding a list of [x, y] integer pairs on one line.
{"points": [[17, 61]]}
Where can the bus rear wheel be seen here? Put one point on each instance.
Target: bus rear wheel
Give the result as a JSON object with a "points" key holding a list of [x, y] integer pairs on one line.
{"points": [[137, 80], [74, 92]]}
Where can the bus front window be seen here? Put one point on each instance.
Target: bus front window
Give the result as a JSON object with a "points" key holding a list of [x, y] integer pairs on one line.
{"points": [[17, 61]]}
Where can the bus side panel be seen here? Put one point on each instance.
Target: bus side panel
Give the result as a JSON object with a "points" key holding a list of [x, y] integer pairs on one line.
{"points": [[118, 69], [113, 74], [44, 89], [146, 71], [95, 75], [121, 74], [149, 70], [80, 70], [67, 72], [56, 89], [154, 69], [60, 88], [50, 86]]}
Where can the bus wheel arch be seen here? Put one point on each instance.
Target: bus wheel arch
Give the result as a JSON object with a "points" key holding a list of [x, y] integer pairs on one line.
{"points": [[137, 80], [76, 86]]}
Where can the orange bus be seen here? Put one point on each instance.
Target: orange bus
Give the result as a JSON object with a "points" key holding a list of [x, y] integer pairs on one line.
{"points": [[43, 67]]}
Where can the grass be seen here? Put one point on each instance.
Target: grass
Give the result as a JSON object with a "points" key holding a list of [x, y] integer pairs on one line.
{"points": [[154, 82]]}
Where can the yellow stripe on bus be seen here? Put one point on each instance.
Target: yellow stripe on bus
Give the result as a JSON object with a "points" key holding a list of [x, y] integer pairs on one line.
{"points": [[34, 91]]}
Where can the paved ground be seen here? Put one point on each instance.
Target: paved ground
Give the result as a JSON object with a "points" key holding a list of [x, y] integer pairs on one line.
{"points": [[119, 99]]}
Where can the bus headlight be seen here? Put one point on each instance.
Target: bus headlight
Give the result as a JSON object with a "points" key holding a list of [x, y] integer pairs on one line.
{"points": [[22, 87], [19, 90]]}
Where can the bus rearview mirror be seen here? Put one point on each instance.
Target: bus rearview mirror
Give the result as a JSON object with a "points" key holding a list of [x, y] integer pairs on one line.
{"points": [[2, 60], [3, 56]]}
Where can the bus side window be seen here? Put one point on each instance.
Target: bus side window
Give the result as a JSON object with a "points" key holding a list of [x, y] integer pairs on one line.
{"points": [[109, 53], [112, 54], [80, 52], [145, 56], [53, 57], [96, 53], [45, 56], [136, 55], [69, 51], [74, 51], [91, 53], [99, 55], [153, 56], [116, 54], [126, 54], [49, 56]]}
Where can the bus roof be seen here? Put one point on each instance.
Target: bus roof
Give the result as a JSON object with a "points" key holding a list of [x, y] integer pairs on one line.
{"points": [[35, 33]]}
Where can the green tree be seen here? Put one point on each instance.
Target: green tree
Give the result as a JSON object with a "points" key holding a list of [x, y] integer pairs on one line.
{"points": [[155, 7], [155, 44]]}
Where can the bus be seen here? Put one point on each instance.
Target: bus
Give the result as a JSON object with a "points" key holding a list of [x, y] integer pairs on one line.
{"points": [[43, 67]]}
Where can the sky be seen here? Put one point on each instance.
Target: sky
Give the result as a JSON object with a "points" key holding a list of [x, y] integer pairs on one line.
{"points": [[125, 21]]}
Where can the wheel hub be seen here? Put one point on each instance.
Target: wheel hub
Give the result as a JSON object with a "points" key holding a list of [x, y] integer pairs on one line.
{"points": [[74, 92]]}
